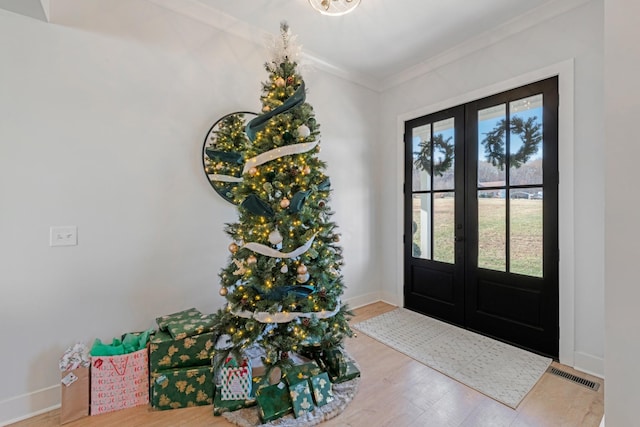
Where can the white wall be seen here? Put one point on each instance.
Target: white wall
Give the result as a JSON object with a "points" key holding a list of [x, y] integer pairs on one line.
{"points": [[573, 38], [622, 109], [103, 129]]}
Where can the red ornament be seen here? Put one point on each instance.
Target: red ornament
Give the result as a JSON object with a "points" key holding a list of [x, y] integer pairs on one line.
{"points": [[290, 80]]}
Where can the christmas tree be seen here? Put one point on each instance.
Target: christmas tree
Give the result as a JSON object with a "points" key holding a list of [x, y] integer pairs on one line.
{"points": [[283, 283]]}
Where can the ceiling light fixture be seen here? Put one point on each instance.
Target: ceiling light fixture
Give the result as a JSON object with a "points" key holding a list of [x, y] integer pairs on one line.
{"points": [[334, 7]]}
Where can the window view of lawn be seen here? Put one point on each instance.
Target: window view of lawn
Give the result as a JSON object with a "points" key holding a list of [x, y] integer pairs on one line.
{"points": [[525, 233]]}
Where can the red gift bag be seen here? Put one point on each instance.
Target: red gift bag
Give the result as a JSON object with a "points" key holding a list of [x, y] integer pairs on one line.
{"points": [[119, 382]]}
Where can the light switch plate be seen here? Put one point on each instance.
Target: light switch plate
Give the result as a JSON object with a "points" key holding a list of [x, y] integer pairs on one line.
{"points": [[63, 235]]}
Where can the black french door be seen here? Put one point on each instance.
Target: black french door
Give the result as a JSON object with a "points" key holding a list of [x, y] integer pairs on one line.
{"points": [[481, 216]]}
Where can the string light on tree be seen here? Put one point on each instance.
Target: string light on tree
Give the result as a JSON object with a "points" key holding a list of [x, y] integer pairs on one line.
{"points": [[279, 277]]}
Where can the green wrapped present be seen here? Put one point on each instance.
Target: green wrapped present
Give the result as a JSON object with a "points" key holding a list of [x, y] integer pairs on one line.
{"points": [[186, 323], [256, 384], [273, 402], [301, 372], [221, 406], [336, 361], [350, 373], [181, 388], [321, 389], [164, 321], [301, 398], [167, 353]]}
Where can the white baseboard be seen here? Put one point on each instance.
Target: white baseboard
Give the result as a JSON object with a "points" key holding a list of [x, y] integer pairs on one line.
{"points": [[29, 405], [588, 364], [392, 299], [362, 300]]}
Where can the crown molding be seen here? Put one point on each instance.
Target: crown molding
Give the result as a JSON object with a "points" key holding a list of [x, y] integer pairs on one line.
{"points": [[227, 23], [36, 9], [224, 22], [486, 39]]}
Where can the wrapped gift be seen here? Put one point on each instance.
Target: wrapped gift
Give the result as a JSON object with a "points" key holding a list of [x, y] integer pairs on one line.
{"points": [[235, 379], [221, 406], [184, 315], [168, 353], [350, 373], [256, 384], [186, 323], [336, 361], [302, 372], [181, 388], [321, 389], [273, 402], [301, 398]]}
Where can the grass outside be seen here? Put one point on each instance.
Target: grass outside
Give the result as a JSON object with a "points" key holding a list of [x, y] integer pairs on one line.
{"points": [[526, 234]]}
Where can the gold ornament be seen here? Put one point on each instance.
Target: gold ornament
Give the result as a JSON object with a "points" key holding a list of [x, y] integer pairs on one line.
{"points": [[306, 170], [280, 82], [233, 248], [252, 259], [336, 238], [266, 109], [302, 269], [284, 203], [224, 291], [253, 171]]}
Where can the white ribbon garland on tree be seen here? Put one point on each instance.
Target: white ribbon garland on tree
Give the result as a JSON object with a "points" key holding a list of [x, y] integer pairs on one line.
{"points": [[284, 317], [265, 157], [270, 155], [270, 252], [223, 178]]}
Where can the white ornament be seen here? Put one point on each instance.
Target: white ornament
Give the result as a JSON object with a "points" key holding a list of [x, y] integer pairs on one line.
{"points": [[284, 269], [275, 237], [302, 278], [304, 131]]}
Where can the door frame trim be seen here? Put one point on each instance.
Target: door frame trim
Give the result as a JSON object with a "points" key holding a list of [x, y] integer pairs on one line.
{"points": [[565, 72]]}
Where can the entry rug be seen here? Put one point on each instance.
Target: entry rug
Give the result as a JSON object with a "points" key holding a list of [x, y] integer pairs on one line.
{"points": [[500, 371]]}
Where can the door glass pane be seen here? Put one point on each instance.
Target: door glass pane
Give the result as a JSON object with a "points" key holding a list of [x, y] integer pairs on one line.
{"points": [[443, 154], [444, 227], [525, 141], [492, 253], [492, 146], [526, 231], [421, 237], [421, 140]]}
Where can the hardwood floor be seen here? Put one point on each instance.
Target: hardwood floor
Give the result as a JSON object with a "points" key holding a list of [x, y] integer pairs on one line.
{"points": [[397, 391]]}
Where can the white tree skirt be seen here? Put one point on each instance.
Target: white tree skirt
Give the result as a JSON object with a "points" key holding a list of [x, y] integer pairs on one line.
{"points": [[343, 394]]}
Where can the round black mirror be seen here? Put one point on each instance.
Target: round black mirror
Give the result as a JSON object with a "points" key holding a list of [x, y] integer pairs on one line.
{"points": [[223, 153]]}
